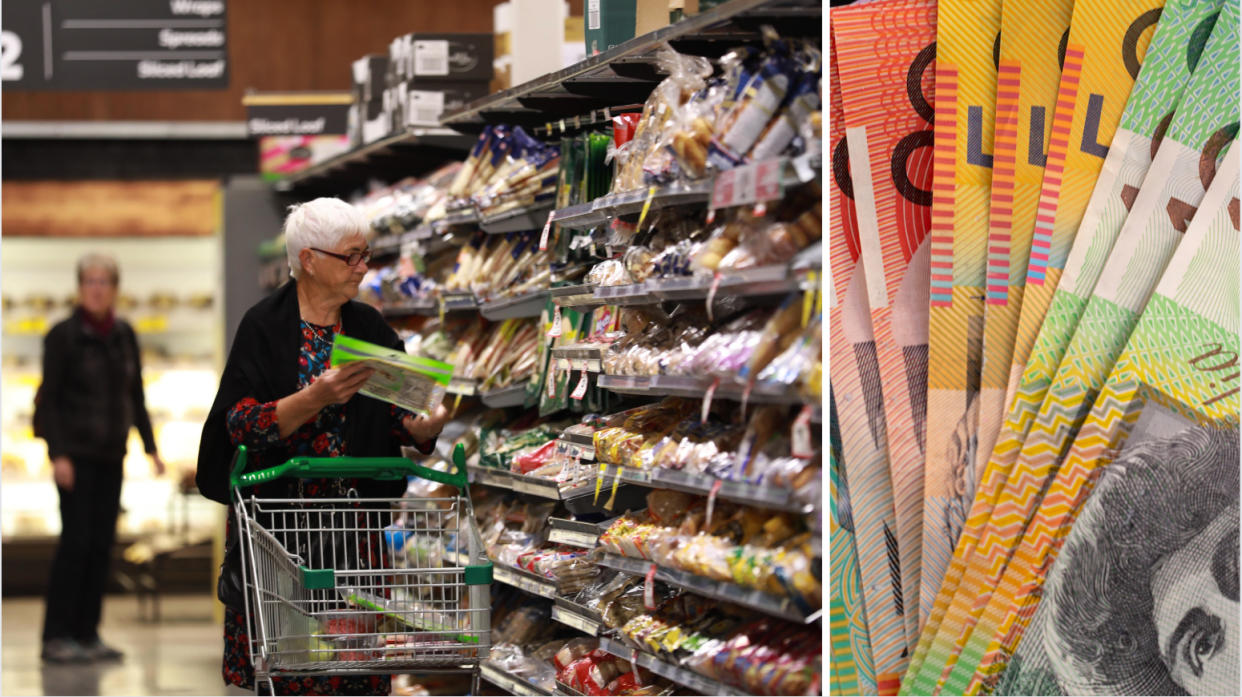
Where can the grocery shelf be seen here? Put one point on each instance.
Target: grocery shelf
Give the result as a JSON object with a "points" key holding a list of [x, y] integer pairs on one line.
{"points": [[563, 689], [571, 614], [459, 300], [462, 386], [627, 73], [687, 386], [588, 357], [389, 244], [630, 294], [425, 307], [580, 216], [510, 683], [465, 216], [574, 533], [520, 306], [490, 476], [518, 220], [668, 671], [776, 606], [392, 154], [524, 580], [582, 295], [535, 486], [512, 396], [759, 495]]}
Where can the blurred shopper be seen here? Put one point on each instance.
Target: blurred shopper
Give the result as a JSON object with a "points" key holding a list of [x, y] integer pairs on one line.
{"points": [[90, 398], [279, 397]]}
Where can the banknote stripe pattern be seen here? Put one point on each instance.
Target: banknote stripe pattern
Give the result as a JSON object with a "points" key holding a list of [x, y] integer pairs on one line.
{"points": [[943, 188], [1000, 234], [859, 414]]}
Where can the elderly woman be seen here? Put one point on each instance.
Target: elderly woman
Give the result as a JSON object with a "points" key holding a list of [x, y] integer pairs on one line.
{"points": [[279, 397], [90, 398]]}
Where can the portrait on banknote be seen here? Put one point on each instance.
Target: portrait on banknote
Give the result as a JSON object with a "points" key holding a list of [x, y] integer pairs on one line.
{"points": [[1143, 599]]}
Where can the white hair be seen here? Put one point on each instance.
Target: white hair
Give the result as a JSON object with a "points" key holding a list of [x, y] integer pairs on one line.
{"points": [[321, 223]]}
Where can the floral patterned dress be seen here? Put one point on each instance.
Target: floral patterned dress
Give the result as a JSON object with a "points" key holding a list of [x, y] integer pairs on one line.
{"points": [[253, 424]]}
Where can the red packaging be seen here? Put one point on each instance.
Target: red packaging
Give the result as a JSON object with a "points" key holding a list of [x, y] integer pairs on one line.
{"points": [[530, 461]]}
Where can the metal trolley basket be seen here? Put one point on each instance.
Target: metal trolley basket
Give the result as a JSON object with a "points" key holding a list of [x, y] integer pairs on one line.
{"points": [[349, 585]]}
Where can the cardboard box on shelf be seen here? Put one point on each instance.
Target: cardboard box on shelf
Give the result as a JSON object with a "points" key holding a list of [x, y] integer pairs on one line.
{"points": [[610, 23], [369, 77], [374, 121], [427, 57], [424, 104]]}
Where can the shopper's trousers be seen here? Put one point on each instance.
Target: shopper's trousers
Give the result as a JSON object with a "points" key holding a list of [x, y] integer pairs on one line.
{"points": [[80, 568]]}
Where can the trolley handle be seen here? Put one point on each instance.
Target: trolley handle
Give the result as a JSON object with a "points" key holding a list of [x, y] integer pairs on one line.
{"points": [[387, 468]]}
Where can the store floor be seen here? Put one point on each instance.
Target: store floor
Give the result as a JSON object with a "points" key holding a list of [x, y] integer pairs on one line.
{"points": [[179, 655]]}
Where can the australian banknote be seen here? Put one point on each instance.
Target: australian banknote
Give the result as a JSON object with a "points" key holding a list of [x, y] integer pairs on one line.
{"points": [[967, 32], [858, 413], [1033, 52], [1143, 596], [1102, 61], [852, 670], [886, 60], [1184, 167]]}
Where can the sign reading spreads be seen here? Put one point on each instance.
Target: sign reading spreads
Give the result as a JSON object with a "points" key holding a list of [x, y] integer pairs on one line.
{"points": [[297, 113], [114, 45]]}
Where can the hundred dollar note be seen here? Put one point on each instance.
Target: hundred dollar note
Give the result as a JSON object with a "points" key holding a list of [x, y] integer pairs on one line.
{"points": [[1175, 184], [967, 32], [1143, 597], [852, 670], [859, 417], [886, 55], [1033, 52]]}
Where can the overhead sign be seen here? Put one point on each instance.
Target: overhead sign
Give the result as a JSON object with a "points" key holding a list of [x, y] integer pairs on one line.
{"points": [[114, 45], [297, 113]]}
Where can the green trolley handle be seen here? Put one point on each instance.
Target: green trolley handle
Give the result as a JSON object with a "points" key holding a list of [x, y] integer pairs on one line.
{"points": [[386, 468]]}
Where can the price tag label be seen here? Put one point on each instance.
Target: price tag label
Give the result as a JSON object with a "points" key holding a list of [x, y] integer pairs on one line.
{"points": [[742, 455], [744, 185], [711, 501], [802, 165], [723, 189], [711, 295], [616, 483], [555, 330], [634, 667], [575, 620], [767, 180], [442, 304], [707, 400], [646, 206], [551, 383], [599, 481], [801, 435], [649, 587], [581, 388], [711, 216], [543, 238]]}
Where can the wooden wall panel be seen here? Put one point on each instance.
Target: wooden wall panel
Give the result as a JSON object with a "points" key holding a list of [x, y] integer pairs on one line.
{"points": [[273, 45], [110, 209]]}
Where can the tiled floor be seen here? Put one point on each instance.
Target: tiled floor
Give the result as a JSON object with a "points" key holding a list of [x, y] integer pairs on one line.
{"points": [[178, 656]]}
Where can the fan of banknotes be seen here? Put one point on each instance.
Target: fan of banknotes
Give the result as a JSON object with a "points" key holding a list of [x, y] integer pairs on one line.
{"points": [[1034, 316]]}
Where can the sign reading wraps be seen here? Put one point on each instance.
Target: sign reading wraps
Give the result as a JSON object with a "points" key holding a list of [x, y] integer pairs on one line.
{"points": [[114, 45]]}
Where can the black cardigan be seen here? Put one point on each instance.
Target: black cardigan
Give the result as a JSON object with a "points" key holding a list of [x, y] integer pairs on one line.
{"points": [[92, 391], [263, 364]]}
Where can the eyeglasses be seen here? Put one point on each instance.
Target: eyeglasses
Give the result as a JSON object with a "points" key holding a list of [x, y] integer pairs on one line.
{"points": [[350, 259]]}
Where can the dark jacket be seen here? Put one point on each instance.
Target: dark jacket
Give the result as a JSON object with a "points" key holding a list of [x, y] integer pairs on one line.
{"points": [[92, 391], [263, 364]]}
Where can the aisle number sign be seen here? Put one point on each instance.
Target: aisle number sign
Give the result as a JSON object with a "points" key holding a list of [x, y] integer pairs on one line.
{"points": [[114, 45]]}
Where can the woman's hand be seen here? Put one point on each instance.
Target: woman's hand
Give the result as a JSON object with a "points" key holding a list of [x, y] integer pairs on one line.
{"points": [[157, 462], [425, 428], [339, 385], [62, 472]]}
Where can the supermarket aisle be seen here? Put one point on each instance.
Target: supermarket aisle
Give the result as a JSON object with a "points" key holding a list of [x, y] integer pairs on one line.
{"points": [[178, 656]]}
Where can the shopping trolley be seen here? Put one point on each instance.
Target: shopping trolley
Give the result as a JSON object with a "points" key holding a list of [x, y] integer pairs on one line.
{"points": [[350, 585]]}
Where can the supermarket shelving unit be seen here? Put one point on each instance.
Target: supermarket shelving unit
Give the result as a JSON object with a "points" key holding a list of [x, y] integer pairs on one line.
{"points": [[624, 75]]}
